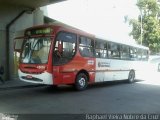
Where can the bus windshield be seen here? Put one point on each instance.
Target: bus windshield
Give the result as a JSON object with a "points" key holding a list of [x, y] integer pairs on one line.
{"points": [[36, 50]]}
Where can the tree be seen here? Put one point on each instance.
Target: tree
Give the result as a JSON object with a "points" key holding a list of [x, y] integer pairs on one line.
{"points": [[149, 10]]}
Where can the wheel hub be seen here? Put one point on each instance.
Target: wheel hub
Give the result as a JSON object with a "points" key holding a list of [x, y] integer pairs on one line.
{"points": [[82, 82]]}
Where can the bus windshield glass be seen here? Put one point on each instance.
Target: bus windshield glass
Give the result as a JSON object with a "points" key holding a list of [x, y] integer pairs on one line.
{"points": [[36, 50]]}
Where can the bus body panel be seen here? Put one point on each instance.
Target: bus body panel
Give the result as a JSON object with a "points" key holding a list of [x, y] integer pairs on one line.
{"points": [[43, 78], [111, 69], [102, 68], [121, 69], [66, 74]]}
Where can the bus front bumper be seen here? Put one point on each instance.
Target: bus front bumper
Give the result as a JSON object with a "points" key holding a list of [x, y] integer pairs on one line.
{"points": [[43, 78]]}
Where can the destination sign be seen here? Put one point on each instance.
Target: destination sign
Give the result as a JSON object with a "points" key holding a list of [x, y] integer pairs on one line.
{"points": [[39, 31]]}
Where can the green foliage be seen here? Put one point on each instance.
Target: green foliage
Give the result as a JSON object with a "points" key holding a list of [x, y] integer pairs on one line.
{"points": [[149, 7], [136, 30], [150, 25]]}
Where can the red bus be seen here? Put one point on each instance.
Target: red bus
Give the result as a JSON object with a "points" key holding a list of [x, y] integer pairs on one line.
{"points": [[58, 54]]}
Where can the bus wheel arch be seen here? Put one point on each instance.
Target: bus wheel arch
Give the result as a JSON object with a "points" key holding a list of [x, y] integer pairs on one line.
{"points": [[131, 76], [81, 80]]}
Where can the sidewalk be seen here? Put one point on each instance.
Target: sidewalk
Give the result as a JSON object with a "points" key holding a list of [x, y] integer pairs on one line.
{"points": [[15, 84]]}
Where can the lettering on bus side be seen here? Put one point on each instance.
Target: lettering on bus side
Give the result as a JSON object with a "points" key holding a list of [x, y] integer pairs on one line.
{"points": [[90, 62], [103, 64]]}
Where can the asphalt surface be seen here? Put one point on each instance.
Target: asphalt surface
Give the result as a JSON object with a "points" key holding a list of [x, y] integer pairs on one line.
{"points": [[111, 97], [25, 101]]}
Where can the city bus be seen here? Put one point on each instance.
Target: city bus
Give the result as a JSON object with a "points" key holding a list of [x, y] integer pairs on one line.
{"points": [[58, 54]]}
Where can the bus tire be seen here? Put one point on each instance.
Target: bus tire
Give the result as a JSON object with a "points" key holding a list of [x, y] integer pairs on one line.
{"points": [[131, 76], [81, 82]]}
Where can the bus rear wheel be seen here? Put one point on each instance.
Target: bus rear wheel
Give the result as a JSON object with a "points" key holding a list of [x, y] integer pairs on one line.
{"points": [[81, 82], [131, 76]]}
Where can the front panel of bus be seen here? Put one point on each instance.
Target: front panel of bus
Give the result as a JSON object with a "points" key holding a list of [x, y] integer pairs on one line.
{"points": [[35, 57]]}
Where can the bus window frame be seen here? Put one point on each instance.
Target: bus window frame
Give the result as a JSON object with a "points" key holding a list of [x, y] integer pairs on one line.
{"points": [[109, 50], [54, 43], [99, 48], [86, 46], [121, 51]]}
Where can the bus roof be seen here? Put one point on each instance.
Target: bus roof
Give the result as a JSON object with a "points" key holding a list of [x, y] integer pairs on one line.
{"points": [[77, 30]]}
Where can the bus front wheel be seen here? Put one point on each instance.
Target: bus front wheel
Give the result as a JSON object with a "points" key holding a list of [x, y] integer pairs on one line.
{"points": [[131, 76], [81, 82]]}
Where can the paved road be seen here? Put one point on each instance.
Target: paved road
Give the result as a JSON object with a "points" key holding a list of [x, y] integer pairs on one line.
{"points": [[112, 97]]}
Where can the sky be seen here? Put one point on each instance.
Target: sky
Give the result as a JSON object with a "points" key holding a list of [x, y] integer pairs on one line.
{"points": [[104, 18]]}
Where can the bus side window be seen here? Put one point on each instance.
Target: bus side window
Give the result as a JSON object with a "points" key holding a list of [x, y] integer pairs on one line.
{"points": [[125, 52], [133, 52], [100, 49], [139, 54], [113, 50], [86, 46]]}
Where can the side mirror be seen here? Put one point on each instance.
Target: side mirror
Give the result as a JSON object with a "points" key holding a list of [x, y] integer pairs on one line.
{"points": [[18, 44], [18, 40]]}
